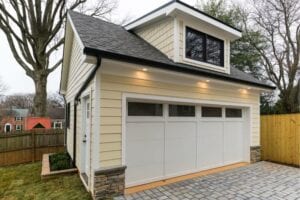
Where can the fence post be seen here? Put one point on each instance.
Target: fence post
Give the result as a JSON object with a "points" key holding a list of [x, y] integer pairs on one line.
{"points": [[33, 145]]}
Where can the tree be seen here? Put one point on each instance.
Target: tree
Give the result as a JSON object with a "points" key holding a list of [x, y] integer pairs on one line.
{"points": [[247, 61], [3, 88], [279, 23], [34, 28]]}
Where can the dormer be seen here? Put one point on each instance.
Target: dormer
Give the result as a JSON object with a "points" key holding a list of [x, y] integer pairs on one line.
{"points": [[187, 35]]}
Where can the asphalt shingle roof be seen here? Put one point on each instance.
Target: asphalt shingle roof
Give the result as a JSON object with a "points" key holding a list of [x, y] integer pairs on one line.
{"points": [[104, 38]]}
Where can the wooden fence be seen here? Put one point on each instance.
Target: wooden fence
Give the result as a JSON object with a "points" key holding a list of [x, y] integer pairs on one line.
{"points": [[29, 146], [280, 138]]}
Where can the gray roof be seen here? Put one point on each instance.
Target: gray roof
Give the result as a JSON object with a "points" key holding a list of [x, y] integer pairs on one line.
{"points": [[16, 112], [109, 40]]}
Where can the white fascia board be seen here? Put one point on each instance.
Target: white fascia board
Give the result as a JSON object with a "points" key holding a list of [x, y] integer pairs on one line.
{"points": [[177, 7], [147, 19], [198, 15]]}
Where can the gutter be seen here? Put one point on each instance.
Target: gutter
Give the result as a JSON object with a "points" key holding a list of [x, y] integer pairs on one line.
{"points": [[77, 100]]}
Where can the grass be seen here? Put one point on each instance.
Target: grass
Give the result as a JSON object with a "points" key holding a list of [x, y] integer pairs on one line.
{"points": [[24, 182]]}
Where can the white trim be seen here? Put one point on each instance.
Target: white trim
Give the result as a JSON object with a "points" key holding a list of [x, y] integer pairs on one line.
{"points": [[197, 63], [10, 127], [176, 40], [19, 127], [69, 18], [96, 123], [147, 19], [164, 100], [177, 7]]}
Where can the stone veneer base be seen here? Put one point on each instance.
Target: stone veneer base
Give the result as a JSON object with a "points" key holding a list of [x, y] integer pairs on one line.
{"points": [[109, 182], [255, 154]]}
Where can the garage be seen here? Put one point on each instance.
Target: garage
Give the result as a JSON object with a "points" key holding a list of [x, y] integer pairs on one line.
{"points": [[168, 139]]}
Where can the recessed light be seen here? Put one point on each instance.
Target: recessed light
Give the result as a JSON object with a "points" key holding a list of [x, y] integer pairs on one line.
{"points": [[249, 88], [145, 69], [207, 81]]}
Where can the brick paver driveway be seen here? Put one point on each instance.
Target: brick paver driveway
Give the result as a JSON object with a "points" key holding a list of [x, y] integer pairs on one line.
{"points": [[262, 180]]}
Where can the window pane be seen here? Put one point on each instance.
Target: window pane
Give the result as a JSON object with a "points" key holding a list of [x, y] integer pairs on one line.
{"points": [[194, 44], [181, 111], [144, 109], [214, 51], [233, 112], [211, 112]]}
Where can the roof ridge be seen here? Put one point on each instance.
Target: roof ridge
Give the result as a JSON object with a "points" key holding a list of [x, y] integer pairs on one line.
{"points": [[94, 18]]}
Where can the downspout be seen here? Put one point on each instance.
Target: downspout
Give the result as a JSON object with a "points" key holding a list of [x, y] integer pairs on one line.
{"points": [[65, 127], [77, 100]]}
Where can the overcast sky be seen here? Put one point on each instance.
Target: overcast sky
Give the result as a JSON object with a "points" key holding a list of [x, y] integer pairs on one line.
{"points": [[14, 76]]}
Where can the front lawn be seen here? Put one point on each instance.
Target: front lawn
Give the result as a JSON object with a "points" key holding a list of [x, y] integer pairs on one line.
{"points": [[24, 182]]}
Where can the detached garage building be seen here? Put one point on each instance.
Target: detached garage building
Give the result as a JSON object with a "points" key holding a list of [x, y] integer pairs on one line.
{"points": [[155, 99]]}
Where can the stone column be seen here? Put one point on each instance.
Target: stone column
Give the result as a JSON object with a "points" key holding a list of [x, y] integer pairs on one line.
{"points": [[109, 182]]}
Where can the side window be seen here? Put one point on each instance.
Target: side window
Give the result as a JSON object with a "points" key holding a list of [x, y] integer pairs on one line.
{"points": [[234, 113], [181, 111], [144, 109], [211, 112]]}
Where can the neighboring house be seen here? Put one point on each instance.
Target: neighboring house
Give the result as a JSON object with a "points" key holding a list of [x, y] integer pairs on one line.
{"points": [[37, 123], [157, 96], [57, 116], [13, 120]]}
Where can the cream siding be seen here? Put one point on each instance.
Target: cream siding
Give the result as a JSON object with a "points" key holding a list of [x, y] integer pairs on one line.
{"points": [[160, 35], [78, 73], [112, 88]]}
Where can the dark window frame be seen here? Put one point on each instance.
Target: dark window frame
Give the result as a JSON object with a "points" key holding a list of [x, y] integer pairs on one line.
{"points": [[205, 38], [157, 113], [211, 107], [240, 116], [176, 114]]}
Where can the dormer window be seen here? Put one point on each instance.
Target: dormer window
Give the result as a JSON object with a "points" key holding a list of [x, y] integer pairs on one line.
{"points": [[203, 47]]}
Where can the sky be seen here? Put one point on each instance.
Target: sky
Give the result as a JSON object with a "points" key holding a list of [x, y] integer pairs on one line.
{"points": [[14, 76]]}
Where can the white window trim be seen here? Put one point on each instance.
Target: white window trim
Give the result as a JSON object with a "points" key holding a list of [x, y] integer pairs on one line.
{"points": [[7, 124], [18, 118], [18, 127], [57, 122], [200, 64]]}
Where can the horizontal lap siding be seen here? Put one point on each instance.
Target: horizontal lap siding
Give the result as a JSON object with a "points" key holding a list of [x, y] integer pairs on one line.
{"points": [[78, 72], [112, 88], [159, 35]]}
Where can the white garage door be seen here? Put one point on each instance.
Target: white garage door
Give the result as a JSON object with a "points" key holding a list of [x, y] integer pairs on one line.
{"points": [[167, 140]]}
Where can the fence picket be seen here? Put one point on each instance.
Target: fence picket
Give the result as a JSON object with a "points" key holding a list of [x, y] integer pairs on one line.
{"points": [[29, 146], [280, 138]]}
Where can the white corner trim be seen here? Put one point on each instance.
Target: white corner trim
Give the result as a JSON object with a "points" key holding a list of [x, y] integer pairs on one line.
{"points": [[96, 123], [124, 114], [176, 40]]}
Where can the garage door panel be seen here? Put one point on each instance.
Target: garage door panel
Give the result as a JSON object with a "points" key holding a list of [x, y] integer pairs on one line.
{"points": [[210, 144], [180, 147], [233, 142], [144, 151]]}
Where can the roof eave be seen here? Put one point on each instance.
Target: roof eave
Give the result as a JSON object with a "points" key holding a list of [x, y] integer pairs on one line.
{"points": [[178, 6], [165, 66]]}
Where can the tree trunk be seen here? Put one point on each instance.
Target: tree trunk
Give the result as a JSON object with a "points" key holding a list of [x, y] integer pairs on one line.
{"points": [[40, 98]]}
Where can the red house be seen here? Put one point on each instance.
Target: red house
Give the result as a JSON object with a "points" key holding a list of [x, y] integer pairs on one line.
{"points": [[37, 123]]}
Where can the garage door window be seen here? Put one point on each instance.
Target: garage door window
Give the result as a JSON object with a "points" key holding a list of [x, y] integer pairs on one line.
{"points": [[233, 113], [211, 112], [181, 111], [144, 109]]}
